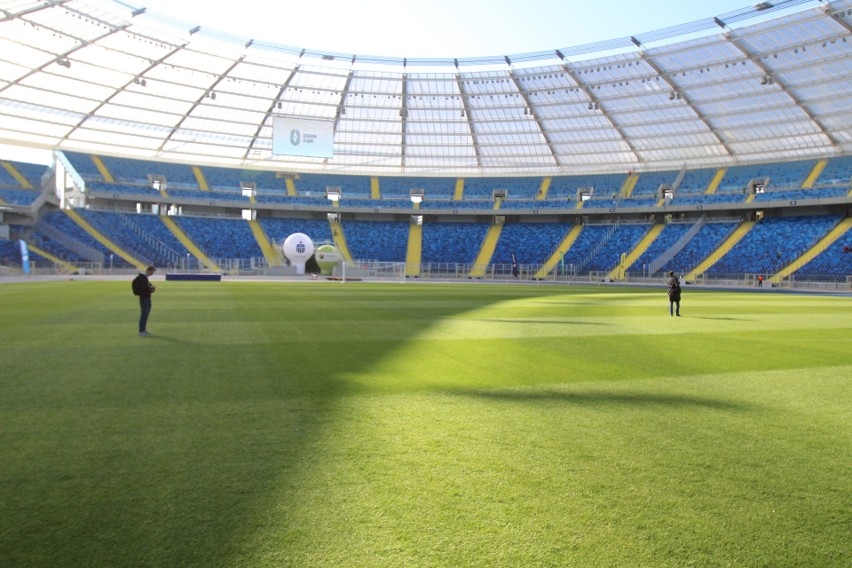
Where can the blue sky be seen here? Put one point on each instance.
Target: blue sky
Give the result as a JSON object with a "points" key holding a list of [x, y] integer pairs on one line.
{"points": [[439, 28]]}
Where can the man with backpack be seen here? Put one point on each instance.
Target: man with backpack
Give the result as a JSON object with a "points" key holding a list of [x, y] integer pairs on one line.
{"points": [[143, 288], [673, 283]]}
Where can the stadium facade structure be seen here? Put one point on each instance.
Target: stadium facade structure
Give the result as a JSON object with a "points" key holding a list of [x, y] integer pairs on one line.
{"points": [[766, 85], [771, 82]]}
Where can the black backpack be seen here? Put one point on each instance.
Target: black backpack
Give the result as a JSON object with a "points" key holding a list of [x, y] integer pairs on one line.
{"points": [[138, 286]]}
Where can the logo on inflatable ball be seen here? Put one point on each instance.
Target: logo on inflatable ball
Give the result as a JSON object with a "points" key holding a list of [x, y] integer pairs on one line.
{"points": [[298, 248], [327, 258]]}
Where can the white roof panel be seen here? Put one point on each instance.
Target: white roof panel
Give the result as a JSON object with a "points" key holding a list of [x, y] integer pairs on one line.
{"points": [[756, 84]]}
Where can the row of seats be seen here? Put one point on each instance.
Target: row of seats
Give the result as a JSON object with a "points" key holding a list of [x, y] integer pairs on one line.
{"points": [[838, 171], [623, 240], [10, 254], [452, 242], [789, 174], [532, 243], [25, 197], [699, 247], [669, 236], [278, 230], [772, 244], [59, 221], [32, 173], [781, 175], [680, 198], [149, 242]]}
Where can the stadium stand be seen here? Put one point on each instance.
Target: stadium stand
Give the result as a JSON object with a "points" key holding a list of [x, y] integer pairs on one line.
{"points": [[282, 199], [144, 236], [622, 240], [780, 175], [385, 241], [517, 187], [85, 166], [772, 244], [581, 253], [278, 229], [834, 264], [649, 183], [708, 239], [695, 181], [433, 188], [838, 172], [794, 194], [197, 194], [666, 239], [535, 204], [18, 196], [26, 175], [137, 171], [58, 235], [101, 187], [350, 186], [603, 185], [532, 243], [10, 254], [452, 242], [232, 178], [220, 238], [708, 199], [452, 204], [597, 249]]}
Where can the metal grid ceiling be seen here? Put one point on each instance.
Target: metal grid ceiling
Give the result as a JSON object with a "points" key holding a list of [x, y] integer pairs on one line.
{"points": [[109, 78]]}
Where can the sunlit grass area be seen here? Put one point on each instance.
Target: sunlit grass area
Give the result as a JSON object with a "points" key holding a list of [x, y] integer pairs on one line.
{"points": [[327, 424]]}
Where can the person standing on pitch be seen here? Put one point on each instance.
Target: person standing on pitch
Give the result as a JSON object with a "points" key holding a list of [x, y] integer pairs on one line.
{"points": [[673, 284], [143, 288]]}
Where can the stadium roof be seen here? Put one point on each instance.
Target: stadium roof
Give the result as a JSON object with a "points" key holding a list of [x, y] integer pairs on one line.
{"points": [[110, 78]]}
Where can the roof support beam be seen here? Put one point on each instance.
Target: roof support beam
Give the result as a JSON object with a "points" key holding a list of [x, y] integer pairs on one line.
{"points": [[270, 111], [685, 99], [471, 126], [341, 105], [596, 105], [403, 115], [341, 109], [63, 56], [136, 79], [754, 58], [8, 15], [535, 116], [210, 92], [842, 22]]}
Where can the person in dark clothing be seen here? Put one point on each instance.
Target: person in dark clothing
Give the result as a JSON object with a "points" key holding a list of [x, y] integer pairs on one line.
{"points": [[673, 284], [143, 288]]}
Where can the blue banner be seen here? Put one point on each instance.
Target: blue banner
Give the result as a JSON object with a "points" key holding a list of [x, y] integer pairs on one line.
{"points": [[25, 256]]}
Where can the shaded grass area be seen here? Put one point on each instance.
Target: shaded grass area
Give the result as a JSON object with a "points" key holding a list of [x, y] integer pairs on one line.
{"points": [[424, 425]]}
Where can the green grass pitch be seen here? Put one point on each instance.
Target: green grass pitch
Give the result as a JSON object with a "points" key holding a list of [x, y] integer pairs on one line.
{"points": [[326, 424]]}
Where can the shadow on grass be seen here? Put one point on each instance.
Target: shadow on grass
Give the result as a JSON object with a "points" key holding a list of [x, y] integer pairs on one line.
{"points": [[183, 448], [634, 399], [718, 318], [532, 321]]}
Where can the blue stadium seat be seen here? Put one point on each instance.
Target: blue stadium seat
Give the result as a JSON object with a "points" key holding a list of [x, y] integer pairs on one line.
{"points": [[384, 241], [772, 244], [452, 242], [708, 239]]}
